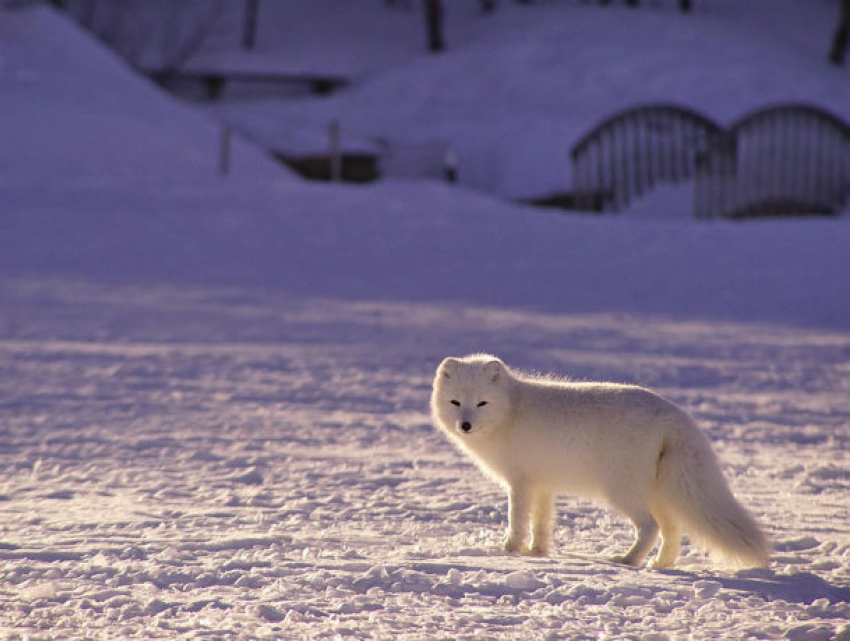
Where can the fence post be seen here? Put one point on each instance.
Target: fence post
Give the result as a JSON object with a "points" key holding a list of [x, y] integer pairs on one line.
{"points": [[450, 165], [334, 151], [434, 25], [224, 150], [249, 30]]}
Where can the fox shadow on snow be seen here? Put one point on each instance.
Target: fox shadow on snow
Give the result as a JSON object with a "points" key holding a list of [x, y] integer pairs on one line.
{"points": [[800, 587]]}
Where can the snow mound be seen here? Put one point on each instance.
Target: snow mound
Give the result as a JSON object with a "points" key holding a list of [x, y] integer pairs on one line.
{"points": [[72, 111]]}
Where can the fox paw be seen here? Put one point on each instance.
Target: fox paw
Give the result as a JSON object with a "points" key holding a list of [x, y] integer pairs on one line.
{"points": [[624, 560], [538, 550], [660, 564], [511, 547]]}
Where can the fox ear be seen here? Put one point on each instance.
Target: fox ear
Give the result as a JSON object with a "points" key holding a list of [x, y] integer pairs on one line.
{"points": [[448, 367], [493, 370]]}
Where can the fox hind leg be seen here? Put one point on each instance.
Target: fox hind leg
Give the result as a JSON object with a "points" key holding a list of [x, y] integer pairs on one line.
{"points": [[671, 538], [646, 530], [646, 533]]}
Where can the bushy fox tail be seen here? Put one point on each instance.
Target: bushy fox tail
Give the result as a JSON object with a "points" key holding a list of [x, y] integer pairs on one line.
{"points": [[692, 485]]}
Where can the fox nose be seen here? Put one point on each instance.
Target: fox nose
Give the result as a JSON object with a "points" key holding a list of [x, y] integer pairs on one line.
{"points": [[466, 426]]}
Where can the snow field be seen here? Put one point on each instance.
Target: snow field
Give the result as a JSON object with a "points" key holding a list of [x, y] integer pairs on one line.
{"points": [[516, 89], [213, 394], [279, 478]]}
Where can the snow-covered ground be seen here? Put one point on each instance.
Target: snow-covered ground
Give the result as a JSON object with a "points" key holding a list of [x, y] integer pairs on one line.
{"points": [[207, 463], [517, 88], [213, 393]]}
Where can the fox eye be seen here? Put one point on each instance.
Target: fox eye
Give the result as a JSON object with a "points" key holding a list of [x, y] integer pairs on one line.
{"points": [[455, 403], [482, 404]]}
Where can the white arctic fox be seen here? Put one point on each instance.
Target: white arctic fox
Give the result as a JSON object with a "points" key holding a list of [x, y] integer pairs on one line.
{"points": [[645, 456]]}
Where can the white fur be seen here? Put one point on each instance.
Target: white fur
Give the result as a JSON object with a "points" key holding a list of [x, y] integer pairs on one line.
{"points": [[625, 444]]}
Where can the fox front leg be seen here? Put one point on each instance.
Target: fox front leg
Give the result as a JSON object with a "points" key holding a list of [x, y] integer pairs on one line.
{"points": [[519, 516], [542, 523]]}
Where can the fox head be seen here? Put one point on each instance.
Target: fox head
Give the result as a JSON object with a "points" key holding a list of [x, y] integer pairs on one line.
{"points": [[470, 396]]}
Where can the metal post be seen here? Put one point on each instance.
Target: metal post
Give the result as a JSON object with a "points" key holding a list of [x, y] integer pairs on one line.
{"points": [[249, 30], [434, 25], [334, 151], [450, 165], [224, 151]]}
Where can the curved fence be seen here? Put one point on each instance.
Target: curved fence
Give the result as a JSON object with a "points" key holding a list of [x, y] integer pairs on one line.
{"points": [[780, 160], [783, 159], [627, 154]]}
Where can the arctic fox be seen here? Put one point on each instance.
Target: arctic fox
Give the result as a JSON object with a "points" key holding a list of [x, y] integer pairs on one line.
{"points": [[539, 437]]}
